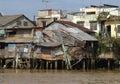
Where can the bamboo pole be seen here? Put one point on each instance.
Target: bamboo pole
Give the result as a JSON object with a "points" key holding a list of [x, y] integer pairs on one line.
{"points": [[67, 60]]}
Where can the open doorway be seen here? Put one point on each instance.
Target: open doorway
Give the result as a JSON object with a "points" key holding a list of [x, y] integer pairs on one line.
{"points": [[108, 30]]}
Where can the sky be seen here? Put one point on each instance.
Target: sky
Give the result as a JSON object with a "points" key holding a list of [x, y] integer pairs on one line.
{"points": [[30, 7]]}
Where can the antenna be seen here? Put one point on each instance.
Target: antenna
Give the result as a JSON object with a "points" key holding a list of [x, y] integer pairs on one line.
{"points": [[45, 2]]}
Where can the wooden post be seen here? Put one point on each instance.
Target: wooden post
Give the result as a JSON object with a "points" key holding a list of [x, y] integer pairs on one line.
{"points": [[41, 64], [118, 65], [92, 63], [3, 62], [62, 64], [6, 51], [16, 65], [88, 61], [13, 64], [16, 56], [56, 64], [51, 64], [0, 63], [84, 64], [108, 64], [31, 59], [44, 64], [47, 64]]}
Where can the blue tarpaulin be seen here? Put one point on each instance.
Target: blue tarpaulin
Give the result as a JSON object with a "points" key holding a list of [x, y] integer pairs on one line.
{"points": [[11, 45], [29, 44]]}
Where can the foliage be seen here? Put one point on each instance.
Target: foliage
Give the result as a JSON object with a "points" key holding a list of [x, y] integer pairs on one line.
{"points": [[104, 44], [116, 47], [97, 36], [109, 45]]}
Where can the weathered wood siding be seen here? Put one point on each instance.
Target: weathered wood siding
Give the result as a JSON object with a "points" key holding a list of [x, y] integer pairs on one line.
{"points": [[21, 36], [22, 20]]}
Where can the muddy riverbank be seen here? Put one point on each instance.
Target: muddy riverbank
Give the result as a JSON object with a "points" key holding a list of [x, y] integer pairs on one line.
{"points": [[11, 76]]}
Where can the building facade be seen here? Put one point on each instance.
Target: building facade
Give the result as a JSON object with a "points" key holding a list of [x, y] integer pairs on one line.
{"points": [[88, 16], [46, 16]]}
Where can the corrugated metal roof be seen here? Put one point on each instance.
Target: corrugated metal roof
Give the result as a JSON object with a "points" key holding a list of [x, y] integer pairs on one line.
{"points": [[78, 34], [50, 44], [73, 30], [52, 36], [76, 25]]}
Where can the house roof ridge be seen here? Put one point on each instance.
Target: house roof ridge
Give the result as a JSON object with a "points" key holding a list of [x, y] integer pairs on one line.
{"points": [[75, 25], [13, 14]]}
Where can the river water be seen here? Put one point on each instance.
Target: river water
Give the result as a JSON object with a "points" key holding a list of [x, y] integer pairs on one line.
{"points": [[58, 77]]}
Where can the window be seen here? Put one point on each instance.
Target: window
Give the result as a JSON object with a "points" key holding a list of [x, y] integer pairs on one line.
{"points": [[46, 50], [12, 33], [118, 28], [93, 25], [18, 22], [80, 23], [108, 30], [26, 33], [44, 23], [25, 23], [90, 13]]}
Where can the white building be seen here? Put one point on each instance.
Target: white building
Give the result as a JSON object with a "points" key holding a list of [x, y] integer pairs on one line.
{"points": [[88, 16]]}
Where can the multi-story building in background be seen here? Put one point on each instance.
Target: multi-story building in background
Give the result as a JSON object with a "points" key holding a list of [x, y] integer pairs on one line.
{"points": [[89, 16], [46, 16], [93, 17]]}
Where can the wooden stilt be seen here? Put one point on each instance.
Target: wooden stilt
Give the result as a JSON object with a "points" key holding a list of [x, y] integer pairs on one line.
{"points": [[62, 64], [108, 64], [16, 62], [44, 63], [0, 63], [6, 51], [40, 64], [56, 64], [92, 63], [118, 64], [51, 64], [47, 64], [89, 63], [4, 63], [13, 64], [87, 66], [84, 65]]}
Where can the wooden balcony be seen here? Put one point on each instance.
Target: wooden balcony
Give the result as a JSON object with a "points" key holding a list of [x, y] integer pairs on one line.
{"points": [[18, 39]]}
